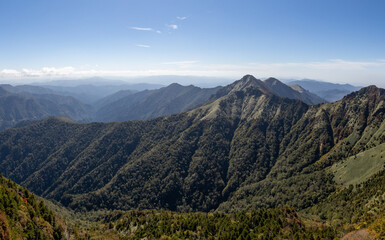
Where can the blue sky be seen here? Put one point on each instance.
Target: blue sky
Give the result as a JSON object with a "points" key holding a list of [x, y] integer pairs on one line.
{"points": [[338, 41]]}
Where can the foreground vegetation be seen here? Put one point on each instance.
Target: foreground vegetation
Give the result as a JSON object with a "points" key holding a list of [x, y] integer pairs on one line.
{"points": [[23, 216], [355, 207], [279, 223]]}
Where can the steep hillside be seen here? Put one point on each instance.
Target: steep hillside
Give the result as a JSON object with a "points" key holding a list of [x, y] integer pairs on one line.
{"points": [[16, 107], [246, 148], [23, 216], [357, 206], [149, 104]]}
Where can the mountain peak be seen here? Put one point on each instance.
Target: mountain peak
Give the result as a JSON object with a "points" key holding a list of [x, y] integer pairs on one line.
{"points": [[369, 90], [298, 88], [273, 81], [372, 93], [285, 91], [270, 86], [248, 77], [275, 84], [250, 81], [175, 85]]}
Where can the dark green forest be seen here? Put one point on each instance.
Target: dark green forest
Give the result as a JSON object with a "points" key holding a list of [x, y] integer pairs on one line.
{"points": [[278, 223], [245, 150], [23, 216]]}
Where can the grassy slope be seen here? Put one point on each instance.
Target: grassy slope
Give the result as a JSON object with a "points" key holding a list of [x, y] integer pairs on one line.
{"points": [[359, 168]]}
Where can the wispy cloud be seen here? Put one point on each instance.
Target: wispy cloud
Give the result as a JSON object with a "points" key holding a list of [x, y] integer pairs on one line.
{"points": [[44, 72], [142, 28], [181, 18], [9, 72], [48, 71], [143, 46], [146, 29], [173, 26]]}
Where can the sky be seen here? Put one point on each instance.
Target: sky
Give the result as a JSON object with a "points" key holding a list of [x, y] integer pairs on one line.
{"points": [[339, 41]]}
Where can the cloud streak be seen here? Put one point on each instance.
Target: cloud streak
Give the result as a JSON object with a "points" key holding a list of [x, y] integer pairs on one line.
{"points": [[146, 29], [143, 46], [173, 26], [142, 29], [181, 18]]}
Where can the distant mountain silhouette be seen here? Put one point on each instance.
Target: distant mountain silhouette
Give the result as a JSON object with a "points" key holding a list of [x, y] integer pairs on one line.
{"points": [[293, 92], [148, 104], [16, 107], [331, 92]]}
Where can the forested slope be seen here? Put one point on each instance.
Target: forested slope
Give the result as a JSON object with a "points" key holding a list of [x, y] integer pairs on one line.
{"points": [[246, 148], [23, 216]]}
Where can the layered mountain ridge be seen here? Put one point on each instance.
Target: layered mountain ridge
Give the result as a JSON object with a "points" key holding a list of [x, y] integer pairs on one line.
{"points": [[148, 104], [331, 92], [246, 148], [271, 86], [16, 107], [26, 103]]}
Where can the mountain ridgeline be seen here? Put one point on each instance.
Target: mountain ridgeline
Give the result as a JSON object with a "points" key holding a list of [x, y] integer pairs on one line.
{"points": [[148, 104], [87, 103], [331, 92], [244, 148], [17, 107]]}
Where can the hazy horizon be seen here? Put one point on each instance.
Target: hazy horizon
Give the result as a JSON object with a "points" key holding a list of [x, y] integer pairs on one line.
{"points": [[160, 81], [339, 42]]}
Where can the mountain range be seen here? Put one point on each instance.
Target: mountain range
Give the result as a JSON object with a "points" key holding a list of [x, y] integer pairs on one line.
{"points": [[245, 148], [29, 102], [174, 98], [17, 107], [331, 92], [249, 146]]}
